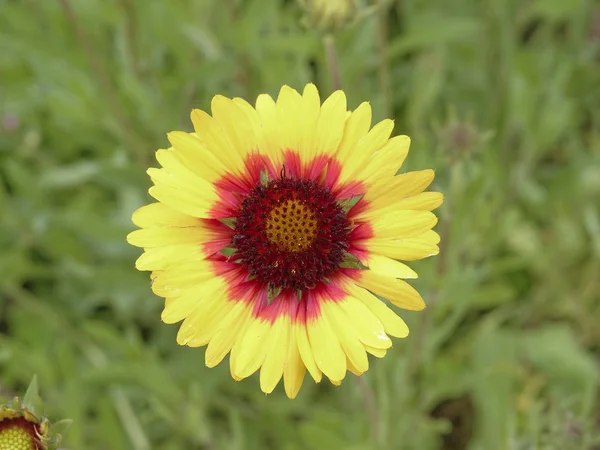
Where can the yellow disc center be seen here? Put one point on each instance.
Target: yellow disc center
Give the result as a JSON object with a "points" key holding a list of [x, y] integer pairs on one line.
{"points": [[16, 438], [292, 226]]}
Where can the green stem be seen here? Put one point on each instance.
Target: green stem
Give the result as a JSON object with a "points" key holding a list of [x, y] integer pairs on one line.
{"points": [[385, 84], [370, 407], [332, 62]]}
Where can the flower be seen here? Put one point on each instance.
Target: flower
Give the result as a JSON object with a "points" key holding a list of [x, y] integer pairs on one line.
{"points": [[20, 429], [274, 228]]}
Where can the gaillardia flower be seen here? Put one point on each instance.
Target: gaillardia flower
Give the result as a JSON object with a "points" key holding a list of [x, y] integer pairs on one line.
{"points": [[276, 228], [20, 429]]}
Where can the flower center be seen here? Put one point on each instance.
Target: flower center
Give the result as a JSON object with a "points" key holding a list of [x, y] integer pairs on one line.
{"points": [[17, 434], [292, 226], [290, 234]]}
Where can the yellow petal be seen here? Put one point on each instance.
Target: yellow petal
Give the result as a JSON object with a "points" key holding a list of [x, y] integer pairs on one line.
{"points": [[267, 113], [189, 150], [175, 174], [182, 200], [210, 133], [356, 128], [160, 215], [306, 352], [236, 123], [307, 123], [181, 278], [367, 328], [288, 104], [179, 307], [396, 291], [346, 334], [258, 142], [352, 369], [365, 148], [425, 201], [376, 352], [392, 324], [272, 369], [400, 224], [160, 237], [293, 373], [326, 348], [399, 187], [231, 328], [253, 347], [202, 324], [387, 160], [161, 258], [386, 266], [408, 249], [330, 125]]}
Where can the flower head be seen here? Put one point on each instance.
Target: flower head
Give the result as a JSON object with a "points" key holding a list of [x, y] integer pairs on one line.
{"points": [[275, 227], [20, 429]]}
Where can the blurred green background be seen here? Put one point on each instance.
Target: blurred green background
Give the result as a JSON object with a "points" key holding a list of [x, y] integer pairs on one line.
{"points": [[501, 97]]}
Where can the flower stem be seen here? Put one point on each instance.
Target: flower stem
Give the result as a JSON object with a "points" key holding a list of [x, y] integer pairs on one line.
{"points": [[128, 8], [370, 407], [385, 85], [332, 62]]}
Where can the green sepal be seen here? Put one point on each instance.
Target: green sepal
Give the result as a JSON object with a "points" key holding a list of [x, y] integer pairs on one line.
{"points": [[229, 222], [272, 292], [59, 428], [264, 178], [347, 203], [228, 251], [32, 402], [351, 262]]}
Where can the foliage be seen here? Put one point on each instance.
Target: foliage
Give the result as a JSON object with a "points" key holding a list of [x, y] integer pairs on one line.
{"points": [[501, 97]]}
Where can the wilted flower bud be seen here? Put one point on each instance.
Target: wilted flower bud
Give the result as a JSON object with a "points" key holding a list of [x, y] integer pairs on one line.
{"points": [[461, 138], [330, 15]]}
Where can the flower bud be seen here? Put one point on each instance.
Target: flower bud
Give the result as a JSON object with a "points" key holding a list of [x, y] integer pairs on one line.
{"points": [[329, 15]]}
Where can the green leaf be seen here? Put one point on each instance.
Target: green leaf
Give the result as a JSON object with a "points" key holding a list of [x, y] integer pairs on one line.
{"points": [[570, 369]]}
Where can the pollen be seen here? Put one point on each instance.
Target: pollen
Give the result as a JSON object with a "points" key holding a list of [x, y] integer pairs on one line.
{"points": [[292, 226]]}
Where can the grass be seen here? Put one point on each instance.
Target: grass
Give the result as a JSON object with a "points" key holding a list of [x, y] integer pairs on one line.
{"points": [[502, 98]]}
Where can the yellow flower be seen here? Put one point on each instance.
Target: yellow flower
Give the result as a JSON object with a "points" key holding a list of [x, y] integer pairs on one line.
{"points": [[21, 430], [274, 228]]}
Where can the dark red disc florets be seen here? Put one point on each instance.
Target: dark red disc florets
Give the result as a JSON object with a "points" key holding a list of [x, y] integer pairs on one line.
{"points": [[290, 233]]}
